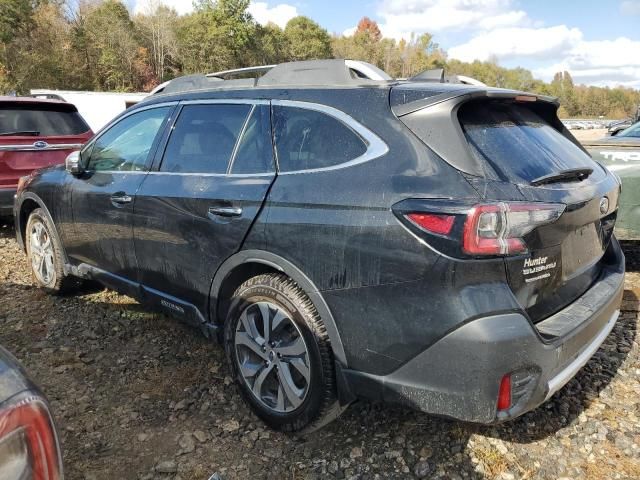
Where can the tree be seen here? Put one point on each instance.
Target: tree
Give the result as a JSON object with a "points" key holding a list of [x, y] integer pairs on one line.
{"points": [[157, 28], [271, 45], [370, 28], [106, 38], [217, 36], [96, 45], [562, 87], [15, 17], [307, 40], [364, 44]]}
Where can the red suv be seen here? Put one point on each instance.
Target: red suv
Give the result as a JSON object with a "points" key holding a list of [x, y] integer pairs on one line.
{"points": [[35, 133]]}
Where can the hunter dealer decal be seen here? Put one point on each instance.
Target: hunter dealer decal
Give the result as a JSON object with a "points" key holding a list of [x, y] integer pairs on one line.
{"points": [[538, 268]]}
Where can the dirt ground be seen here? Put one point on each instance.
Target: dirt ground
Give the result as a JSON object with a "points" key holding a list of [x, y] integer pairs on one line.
{"points": [[140, 396], [589, 135]]}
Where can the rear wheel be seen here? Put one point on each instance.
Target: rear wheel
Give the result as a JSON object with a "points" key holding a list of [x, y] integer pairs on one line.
{"points": [[280, 354], [44, 252]]}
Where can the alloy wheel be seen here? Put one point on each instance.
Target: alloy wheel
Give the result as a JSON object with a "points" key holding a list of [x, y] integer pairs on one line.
{"points": [[41, 249], [272, 357]]}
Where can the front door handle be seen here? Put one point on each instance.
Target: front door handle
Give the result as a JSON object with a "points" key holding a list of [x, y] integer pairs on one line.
{"points": [[224, 212], [120, 198]]}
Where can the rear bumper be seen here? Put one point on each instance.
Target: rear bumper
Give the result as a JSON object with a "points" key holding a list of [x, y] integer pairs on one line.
{"points": [[459, 376], [6, 201]]}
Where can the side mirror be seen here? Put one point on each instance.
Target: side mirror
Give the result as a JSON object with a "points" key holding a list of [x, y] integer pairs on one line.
{"points": [[73, 163]]}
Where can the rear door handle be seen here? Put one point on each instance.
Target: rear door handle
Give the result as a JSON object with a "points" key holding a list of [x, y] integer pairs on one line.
{"points": [[224, 212], [120, 199]]}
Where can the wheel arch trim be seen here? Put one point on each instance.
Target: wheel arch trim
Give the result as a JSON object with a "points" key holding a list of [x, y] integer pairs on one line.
{"points": [[286, 267], [19, 227]]}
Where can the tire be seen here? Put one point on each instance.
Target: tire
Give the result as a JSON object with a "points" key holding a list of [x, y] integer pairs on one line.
{"points": [[285, 399], [44, 252]]}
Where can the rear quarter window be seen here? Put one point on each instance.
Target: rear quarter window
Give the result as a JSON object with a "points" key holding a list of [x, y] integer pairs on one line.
{"points": [[308, 139], [518, 144], [41, 120]]}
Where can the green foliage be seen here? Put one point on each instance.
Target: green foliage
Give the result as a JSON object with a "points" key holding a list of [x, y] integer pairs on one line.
{"points": [[98, 46], [217, 36], [15, 17], [307, 40]]}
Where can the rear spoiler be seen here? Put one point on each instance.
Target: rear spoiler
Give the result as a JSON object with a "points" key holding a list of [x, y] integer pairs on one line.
{"points": [[464, 94]]}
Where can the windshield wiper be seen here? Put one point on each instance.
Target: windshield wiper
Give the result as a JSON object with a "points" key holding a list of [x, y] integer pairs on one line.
{"points": [[25, 133], [570, 175]]}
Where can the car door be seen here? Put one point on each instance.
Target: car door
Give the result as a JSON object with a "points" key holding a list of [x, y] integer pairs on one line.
{"points": [[195, 208], [115, 164]]}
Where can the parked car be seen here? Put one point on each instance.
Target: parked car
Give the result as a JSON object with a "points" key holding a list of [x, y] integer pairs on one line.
{"points": [[621, 154], [614, 128], [446, 246], [35, 133], [29, 447]]}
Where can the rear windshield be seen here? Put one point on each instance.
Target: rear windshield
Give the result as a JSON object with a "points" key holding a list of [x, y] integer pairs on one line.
{"points": [[517, 143], [40, 120]]}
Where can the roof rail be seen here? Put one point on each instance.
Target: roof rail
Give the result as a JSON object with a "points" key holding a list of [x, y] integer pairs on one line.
{"points": [[336, 72], [314, 72], [256, 69]]}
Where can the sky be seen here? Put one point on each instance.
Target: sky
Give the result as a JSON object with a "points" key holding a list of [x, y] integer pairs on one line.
{"points": [[597, 41]]}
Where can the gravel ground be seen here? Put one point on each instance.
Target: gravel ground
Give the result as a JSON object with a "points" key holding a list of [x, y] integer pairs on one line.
{"points": [[139, 396], [589, 135]]}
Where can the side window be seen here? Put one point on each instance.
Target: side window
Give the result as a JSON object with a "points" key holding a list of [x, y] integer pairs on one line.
{"points": [[126, 145], [255, 152], [203, 138], [307, 139]]}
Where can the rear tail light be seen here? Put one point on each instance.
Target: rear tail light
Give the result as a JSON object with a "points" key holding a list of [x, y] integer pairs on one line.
{"points": [[498, 229], [433, 223], [28, 443], [486, 229]]}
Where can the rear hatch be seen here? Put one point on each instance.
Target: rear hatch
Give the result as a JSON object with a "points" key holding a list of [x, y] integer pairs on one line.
{"points": [[35, 135], [553, 207]]}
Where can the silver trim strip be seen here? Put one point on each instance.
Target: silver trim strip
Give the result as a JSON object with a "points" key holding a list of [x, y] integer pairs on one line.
{"points": [[31, 148], [236, 147], [128, 113], [375, 145], [228, 101], [561, 379], [182, 174], [257, 68]]}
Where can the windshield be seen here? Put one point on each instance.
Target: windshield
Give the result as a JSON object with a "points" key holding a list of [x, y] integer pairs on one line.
{"points": [[633, 131], [40, 120], [518, 144]]}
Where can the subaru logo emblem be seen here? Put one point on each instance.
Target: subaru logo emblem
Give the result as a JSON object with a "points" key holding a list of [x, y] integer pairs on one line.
{"points": [[604, 205], [40, 144]]}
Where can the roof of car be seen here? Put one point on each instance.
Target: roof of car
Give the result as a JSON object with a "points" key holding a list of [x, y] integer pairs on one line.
{"points": [[9, 99]]}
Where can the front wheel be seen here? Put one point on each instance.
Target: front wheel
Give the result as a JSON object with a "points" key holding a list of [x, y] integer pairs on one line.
{"points": [[280, 354], [44, 252]]}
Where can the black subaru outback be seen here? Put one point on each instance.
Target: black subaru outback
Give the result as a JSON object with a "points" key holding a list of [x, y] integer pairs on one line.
{"points": [[442, 245]]}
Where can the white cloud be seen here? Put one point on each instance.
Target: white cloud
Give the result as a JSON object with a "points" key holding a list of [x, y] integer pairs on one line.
{"points": [[279, 14], [604, 63], [509, 43], [147, 6], [399, 18], [610, 62], [350, 31], [630, 7]]}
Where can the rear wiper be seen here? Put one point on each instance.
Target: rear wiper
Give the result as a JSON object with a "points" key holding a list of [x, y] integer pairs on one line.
{"points": [[25, 133], [570, 175]]}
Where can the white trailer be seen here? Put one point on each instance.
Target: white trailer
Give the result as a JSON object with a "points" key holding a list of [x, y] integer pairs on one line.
{"points": [[97, 108]]}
